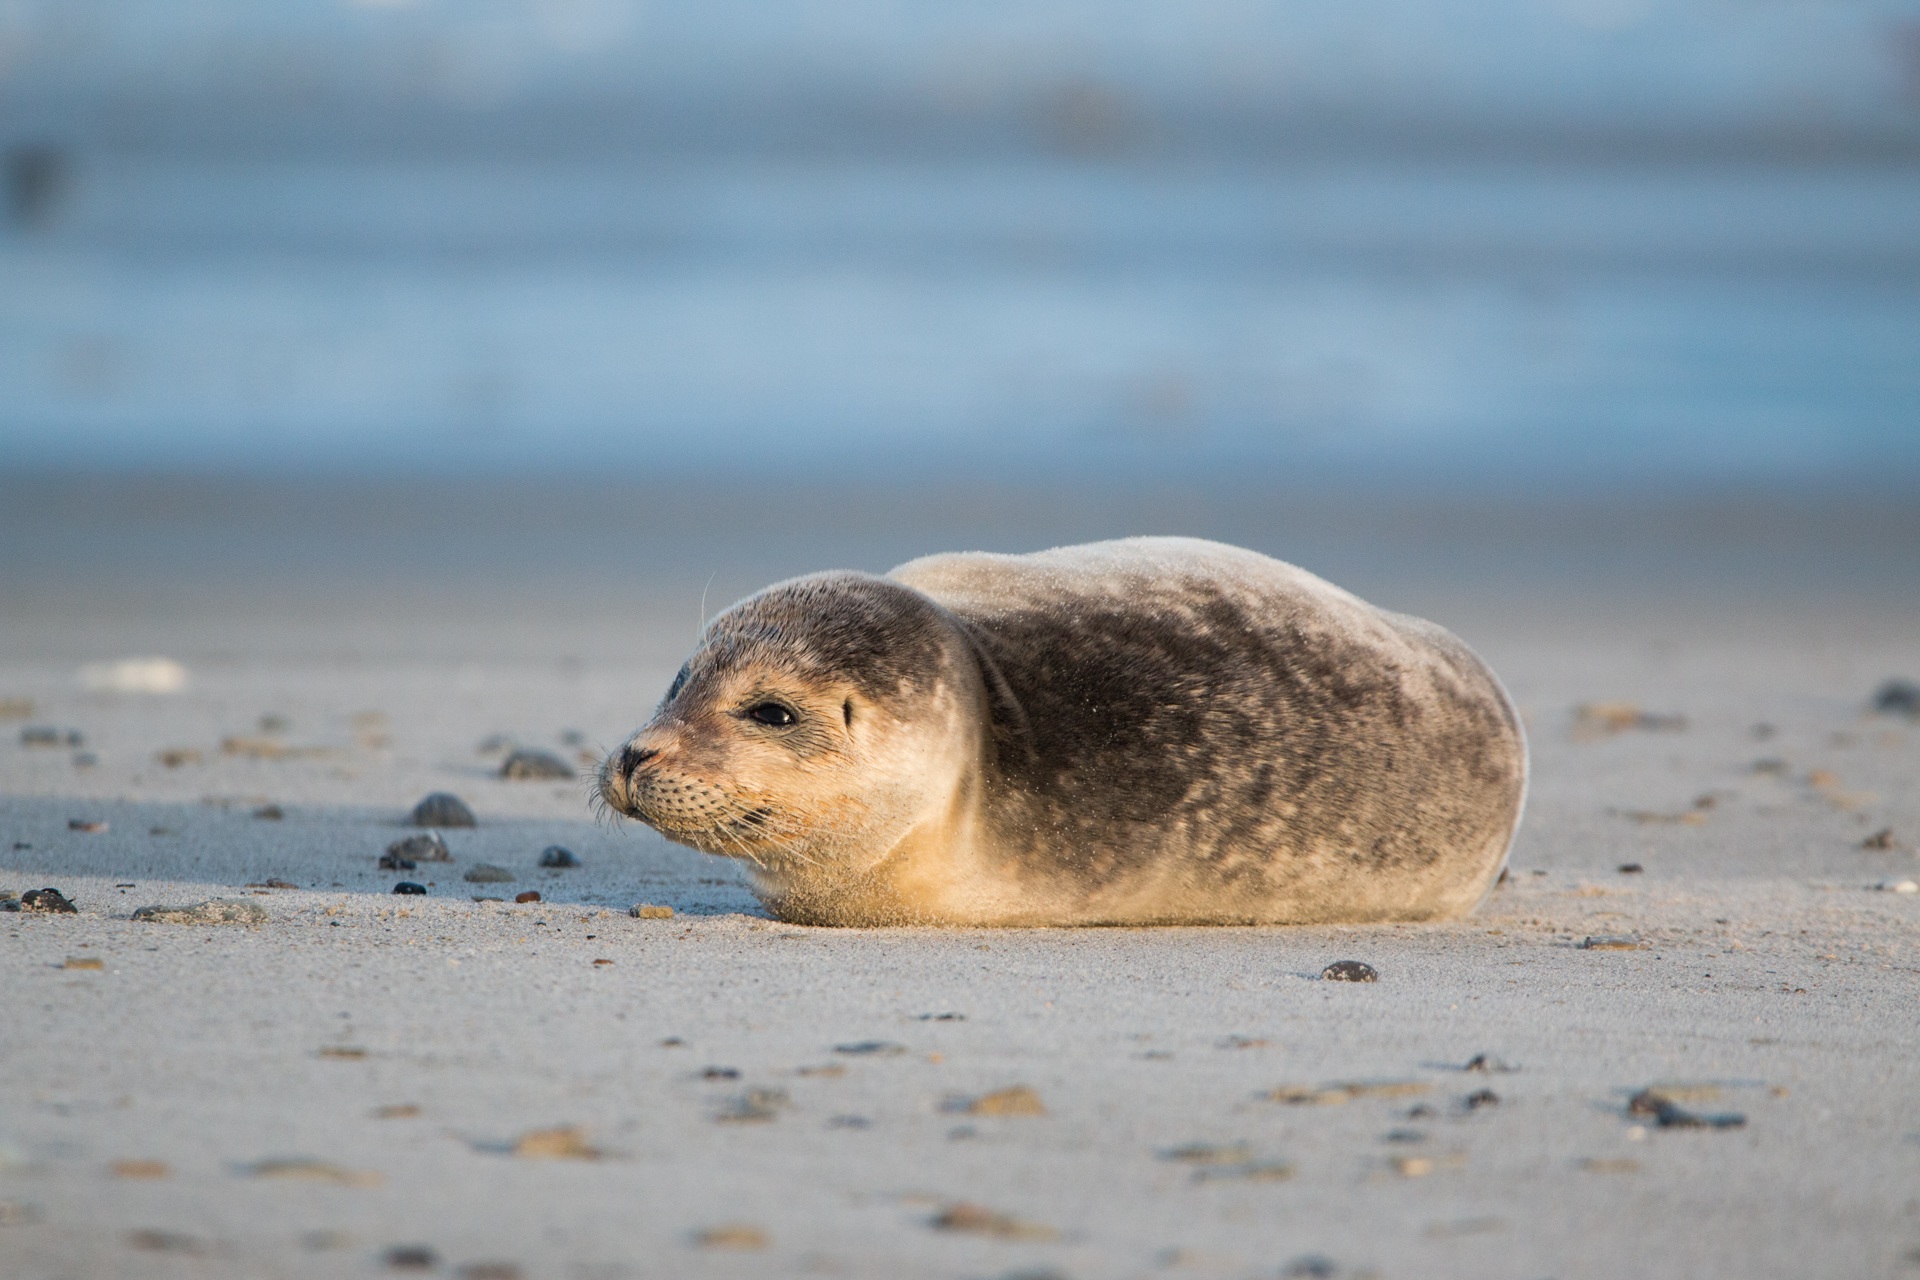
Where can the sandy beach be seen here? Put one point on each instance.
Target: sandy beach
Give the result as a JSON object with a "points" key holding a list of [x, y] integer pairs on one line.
{"points": [[363, 1083]]}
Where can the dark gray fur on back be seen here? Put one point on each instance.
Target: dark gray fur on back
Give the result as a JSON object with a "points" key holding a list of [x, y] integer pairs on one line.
{"points": [[1250, 730]]}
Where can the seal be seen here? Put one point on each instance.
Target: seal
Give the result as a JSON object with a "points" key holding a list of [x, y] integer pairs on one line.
{"points": [[1145, 731]]}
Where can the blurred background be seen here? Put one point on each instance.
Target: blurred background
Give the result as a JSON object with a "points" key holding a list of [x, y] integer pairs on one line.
{"points": [[1399, 290]]}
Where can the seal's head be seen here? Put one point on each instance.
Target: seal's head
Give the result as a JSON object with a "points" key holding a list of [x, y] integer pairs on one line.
{"points": [[819, 725]]}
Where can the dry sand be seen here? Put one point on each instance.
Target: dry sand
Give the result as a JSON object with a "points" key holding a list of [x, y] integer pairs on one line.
{"points": [[365, 1071]]}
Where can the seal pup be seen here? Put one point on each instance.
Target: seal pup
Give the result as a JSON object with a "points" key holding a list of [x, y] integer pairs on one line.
{"points": [[1145, 731]]}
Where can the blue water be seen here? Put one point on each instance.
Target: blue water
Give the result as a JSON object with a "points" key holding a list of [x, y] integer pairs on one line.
{"points": [[1587, 241]]}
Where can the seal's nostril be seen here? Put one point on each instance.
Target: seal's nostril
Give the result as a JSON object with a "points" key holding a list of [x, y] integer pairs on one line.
{"points": [[632, 758]]}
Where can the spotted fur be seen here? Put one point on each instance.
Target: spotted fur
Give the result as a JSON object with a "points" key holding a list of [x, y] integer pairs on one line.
{"points": [[1150, 730]]}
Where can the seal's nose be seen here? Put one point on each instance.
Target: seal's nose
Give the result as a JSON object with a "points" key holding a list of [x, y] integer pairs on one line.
{"points": [[632, 757]]}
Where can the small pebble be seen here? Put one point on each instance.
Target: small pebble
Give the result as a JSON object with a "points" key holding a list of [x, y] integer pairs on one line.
{"points": [[140, 1169], [1486, 1063], [1898, 886], [871, 1049], [270, 813], [720, 1073], [978, 1220], [531, 895], [154, 1240], [1207, 1153], [412, 1257], [1599, 943], [556, 856], [487, 873], [274, 722], [1480, 1098], [174, 757], [534, 765], [753, 1106], [1881, 839], [1670, 1115], [1312, 1266], [303, 1170], [442, 809], [1252, 1171], [1018, 1100], [40, 735], [409, 886], [85, 760], [1349, 971], [422, 848], [1898, 698], [397, 1111], [342, 1052], [489, 1271], [734, 1235], [849, 1122], [1631, 868], [48, 900], [648, 911], [564, 1143], [214, 911], [91, 827], [393, 862], [94, 963], [943, 1017]]}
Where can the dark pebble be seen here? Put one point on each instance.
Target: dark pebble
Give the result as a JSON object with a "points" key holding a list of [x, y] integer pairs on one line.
{"points": [[1480, 1098], [42, 735], [871, 1048], [270, 813], [412, 1257], [1898, 698], [49, 900], [530, 764], [489, 1271], [409, 886], [531, 895], [943, 1017], [1881, 839], [556, 856], [1313, 1266], [720, 1073], [442, 809], [1631, 868], [85, 760], [423, 848], [1349, 971], [1668, 1114], [393, 862], [1487, 1063]]}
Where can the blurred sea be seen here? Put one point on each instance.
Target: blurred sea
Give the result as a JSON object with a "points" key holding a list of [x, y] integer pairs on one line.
{"points": [[1603, 243]]}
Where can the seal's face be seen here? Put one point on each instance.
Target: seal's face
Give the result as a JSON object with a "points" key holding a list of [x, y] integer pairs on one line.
{"points": [[814, 728]]}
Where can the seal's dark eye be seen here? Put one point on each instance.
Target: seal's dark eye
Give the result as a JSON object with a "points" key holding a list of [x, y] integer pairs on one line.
{"points": [[771, 713]]}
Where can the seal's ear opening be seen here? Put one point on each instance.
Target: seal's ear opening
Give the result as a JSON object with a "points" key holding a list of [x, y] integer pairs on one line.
{"points": [[846, 710]]}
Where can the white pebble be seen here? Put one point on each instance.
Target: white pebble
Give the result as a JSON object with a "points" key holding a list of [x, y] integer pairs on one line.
{"points": [[134, 675]]}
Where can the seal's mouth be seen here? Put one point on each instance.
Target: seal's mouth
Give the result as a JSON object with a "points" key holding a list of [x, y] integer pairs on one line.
{"points": [[692, 811]]}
